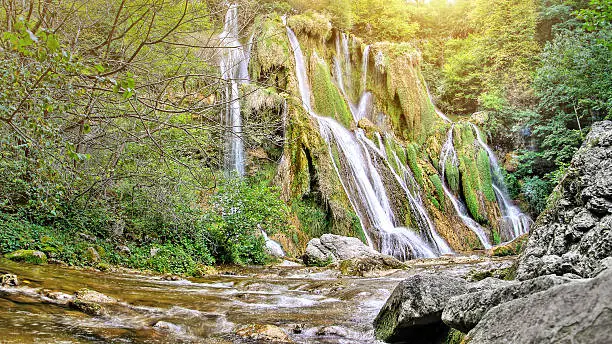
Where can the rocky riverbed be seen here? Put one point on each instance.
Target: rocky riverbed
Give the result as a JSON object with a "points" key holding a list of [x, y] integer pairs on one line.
{"points": [[55, 304]]}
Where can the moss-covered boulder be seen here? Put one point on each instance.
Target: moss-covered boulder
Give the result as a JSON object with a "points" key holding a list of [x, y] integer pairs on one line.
{"points": [[87, 307], [512, 248], [27, 256]]}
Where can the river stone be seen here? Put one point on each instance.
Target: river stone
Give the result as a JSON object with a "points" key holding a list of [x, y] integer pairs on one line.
{"points": [[575, 312], [463, 312], [168, 327], [9, 280], [574, 234], [87, 307], [331, 248], [89, 295], [370, 265], [264, 333], [413, 311]]}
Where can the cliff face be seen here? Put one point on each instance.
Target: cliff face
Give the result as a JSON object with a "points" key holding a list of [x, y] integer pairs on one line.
{"points": [[382, 83], [574, 234]]}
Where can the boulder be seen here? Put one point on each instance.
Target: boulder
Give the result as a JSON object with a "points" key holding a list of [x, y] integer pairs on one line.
{"points": [[463, 312], [89, 295], [91, 308], [370, 265], [168, 327], [332, 248], [92, 255], [413, 311], [27, 256], [264, 333], [9, 280], [335, 331], [574, 234], [511, 248], [579, 311]]}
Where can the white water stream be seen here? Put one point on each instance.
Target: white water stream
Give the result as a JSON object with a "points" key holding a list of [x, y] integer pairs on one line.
{"points": [[234, 70]]}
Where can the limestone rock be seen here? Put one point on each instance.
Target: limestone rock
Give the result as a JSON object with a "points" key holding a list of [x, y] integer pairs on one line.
{"points": [[332, 248], [370, 265], [463, 312], [9, 280], [165, 326], [264, 333], [27, 256], [86, 307], [574, 234], [413, 311], [89, 295], [575, 312]]}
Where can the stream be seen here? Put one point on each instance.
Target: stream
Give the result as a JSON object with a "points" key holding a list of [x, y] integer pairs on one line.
{"points": [[312, 305]]}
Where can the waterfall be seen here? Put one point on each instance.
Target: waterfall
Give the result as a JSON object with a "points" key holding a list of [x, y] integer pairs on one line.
{"points": [[273, 247], [360, 178], [365, 60], [234, 70], [511, 214], [448, 151]]}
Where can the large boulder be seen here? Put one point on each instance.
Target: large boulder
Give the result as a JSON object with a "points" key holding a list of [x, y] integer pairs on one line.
{"points": [[413, 311], [331, 248], [463, 312], [27, 256], [574, 234], [576, 312]]}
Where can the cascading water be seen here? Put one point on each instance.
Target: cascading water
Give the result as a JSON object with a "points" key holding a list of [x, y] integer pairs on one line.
{"points": [[368, 196], [234, 70], [364, 67], [448, 152], [273, 247], [511, 214]]}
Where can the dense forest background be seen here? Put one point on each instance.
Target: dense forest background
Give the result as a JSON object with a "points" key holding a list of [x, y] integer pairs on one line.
{"points": [[110, 115]]}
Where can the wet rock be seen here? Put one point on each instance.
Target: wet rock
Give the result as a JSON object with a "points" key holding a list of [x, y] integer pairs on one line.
{"points": [[89, 295], [335, 331], [27, 256], [87, 307], [9, 280], [297, 328], [573, 235], [171, 278], [332, 248], [463, 312], [264, 333], [165, 326], [573, 312], [368, 266], [57, 296], [414, 309]]}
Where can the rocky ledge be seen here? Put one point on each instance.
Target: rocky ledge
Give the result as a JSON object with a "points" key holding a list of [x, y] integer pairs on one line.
{"points": [[563, 289]]}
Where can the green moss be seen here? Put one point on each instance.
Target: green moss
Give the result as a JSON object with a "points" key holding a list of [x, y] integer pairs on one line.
{"points": [[452, 175], [454, 337], [270, 53], [27, 256], [411, 154], [435, 180], [328, 100], [484, 170]]}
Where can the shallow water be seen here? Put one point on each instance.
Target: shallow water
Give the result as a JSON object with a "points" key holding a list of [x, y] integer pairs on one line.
{"points": [[205, 310]]}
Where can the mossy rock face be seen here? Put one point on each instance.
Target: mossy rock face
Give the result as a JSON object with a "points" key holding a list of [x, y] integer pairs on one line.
{"points": [[28, 256], [512, 248], [312, 24], [328, 101]]}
